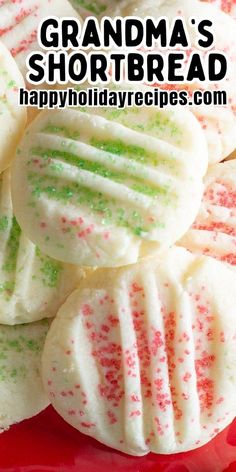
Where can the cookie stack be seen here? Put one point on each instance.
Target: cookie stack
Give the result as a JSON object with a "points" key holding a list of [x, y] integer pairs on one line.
{"points": [[121, 225]]}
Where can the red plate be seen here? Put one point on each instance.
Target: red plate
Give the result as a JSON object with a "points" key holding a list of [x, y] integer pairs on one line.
{"points": [[47, 444]]}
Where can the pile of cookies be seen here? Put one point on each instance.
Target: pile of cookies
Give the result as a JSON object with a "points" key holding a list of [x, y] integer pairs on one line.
{"points": [[120, 225]]}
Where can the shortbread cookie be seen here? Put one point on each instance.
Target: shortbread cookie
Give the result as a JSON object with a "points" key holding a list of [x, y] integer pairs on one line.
{"points": [[32, 285], [218, 122], [98, 184], [21, 390], [214, 231], [143, 358], [12, 117]]}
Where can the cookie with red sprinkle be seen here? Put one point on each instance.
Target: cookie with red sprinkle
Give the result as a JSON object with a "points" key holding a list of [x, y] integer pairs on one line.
{"points": [[214, 230], [218, 121], [143, 358]]}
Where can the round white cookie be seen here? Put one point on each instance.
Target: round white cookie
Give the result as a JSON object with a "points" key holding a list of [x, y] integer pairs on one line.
{"points": [[99, 185], [218, 122], [143, 358], [32, 285], [214, 230], [21, 390], [12, 117]]}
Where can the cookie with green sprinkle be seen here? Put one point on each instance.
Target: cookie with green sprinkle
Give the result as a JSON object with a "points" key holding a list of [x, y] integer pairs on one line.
{"points": [[32, 285], [102, 186]]}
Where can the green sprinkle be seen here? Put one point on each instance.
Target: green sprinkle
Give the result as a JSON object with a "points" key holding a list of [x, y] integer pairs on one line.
{"points": [[139, 231], [163, 124], [97, 168], [13, 373], [91, 6], [7, 287], [149, 190], [131, 151], [11, 84], [61, 130], [12, 247], [3, 223], [50, 270]]}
